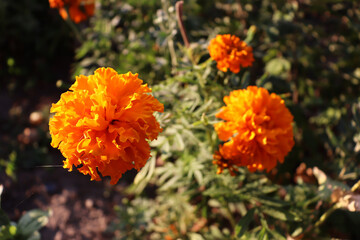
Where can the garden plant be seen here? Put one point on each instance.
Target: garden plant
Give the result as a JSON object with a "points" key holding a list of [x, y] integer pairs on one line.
{"points": [[229, 119]]}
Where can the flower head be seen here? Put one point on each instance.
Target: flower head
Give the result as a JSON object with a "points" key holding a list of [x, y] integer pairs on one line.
{"points": [[79, 10], [56, 3], [230, 53], [104, 122], [223, 164], [257, 130]]}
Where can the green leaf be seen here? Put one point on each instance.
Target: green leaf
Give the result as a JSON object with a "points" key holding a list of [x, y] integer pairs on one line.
{"points": [[281, 215], [297, 232], [7, 232], [270, 201], [244, 222], [262, 234], [215, 232], [277, 66], [32, 221], [250, 34], [216, 192], [326, 184], [12, 230], [195, 236], [276, 235], [170, 183], [179, 144], [35, 236]]}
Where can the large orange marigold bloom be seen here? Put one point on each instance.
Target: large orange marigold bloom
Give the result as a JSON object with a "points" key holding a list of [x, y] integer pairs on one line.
{"points": [[104, 122], [257, 130], [79, 10], [230, 53]]}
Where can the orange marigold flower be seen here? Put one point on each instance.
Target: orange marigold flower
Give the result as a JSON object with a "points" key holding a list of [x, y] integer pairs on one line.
{"points": [[76, 14], [104, 122], [230, 53], [257, 130], [56, 3], [79, 10], [63, 13], [223, 164]]}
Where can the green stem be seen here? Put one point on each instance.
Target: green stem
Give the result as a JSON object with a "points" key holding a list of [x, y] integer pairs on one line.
{"points": [[209, 136], [172, 53], [326, 215], [229, 215], [74, 28], [355, 186]]}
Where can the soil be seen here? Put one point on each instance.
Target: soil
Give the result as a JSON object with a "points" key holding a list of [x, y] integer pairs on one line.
{"points": [[81, 209]]}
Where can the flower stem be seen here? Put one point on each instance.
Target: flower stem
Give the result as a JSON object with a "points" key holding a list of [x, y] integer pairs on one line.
{"points": [[355, 186], [326, 215], [74, 28], [179, 8]]}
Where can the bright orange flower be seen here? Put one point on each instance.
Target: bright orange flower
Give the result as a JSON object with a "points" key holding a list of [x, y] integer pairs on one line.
{"points": [[230, 53], [223, 164], [103, 124], [56, 3], [257, 130], [63, 13], [79, 10], [76, 14]]}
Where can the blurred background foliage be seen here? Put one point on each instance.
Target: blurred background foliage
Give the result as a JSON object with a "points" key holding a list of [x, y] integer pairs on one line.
{"points": [[306, 51]]}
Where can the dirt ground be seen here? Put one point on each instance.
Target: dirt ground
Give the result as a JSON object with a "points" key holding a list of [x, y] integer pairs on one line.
{"points": [[81, 209]]}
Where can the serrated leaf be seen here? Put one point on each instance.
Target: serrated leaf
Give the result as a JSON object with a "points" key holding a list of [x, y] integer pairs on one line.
{"points": [[244, 222]]}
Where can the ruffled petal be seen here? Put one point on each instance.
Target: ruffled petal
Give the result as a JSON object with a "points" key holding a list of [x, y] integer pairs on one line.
{"points": [[257, 130], [230, 53], [104, 122]]}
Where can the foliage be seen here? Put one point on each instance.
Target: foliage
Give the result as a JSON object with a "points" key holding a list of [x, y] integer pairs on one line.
{"points": [[188, 199], [26, 228], [305, 51]]}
